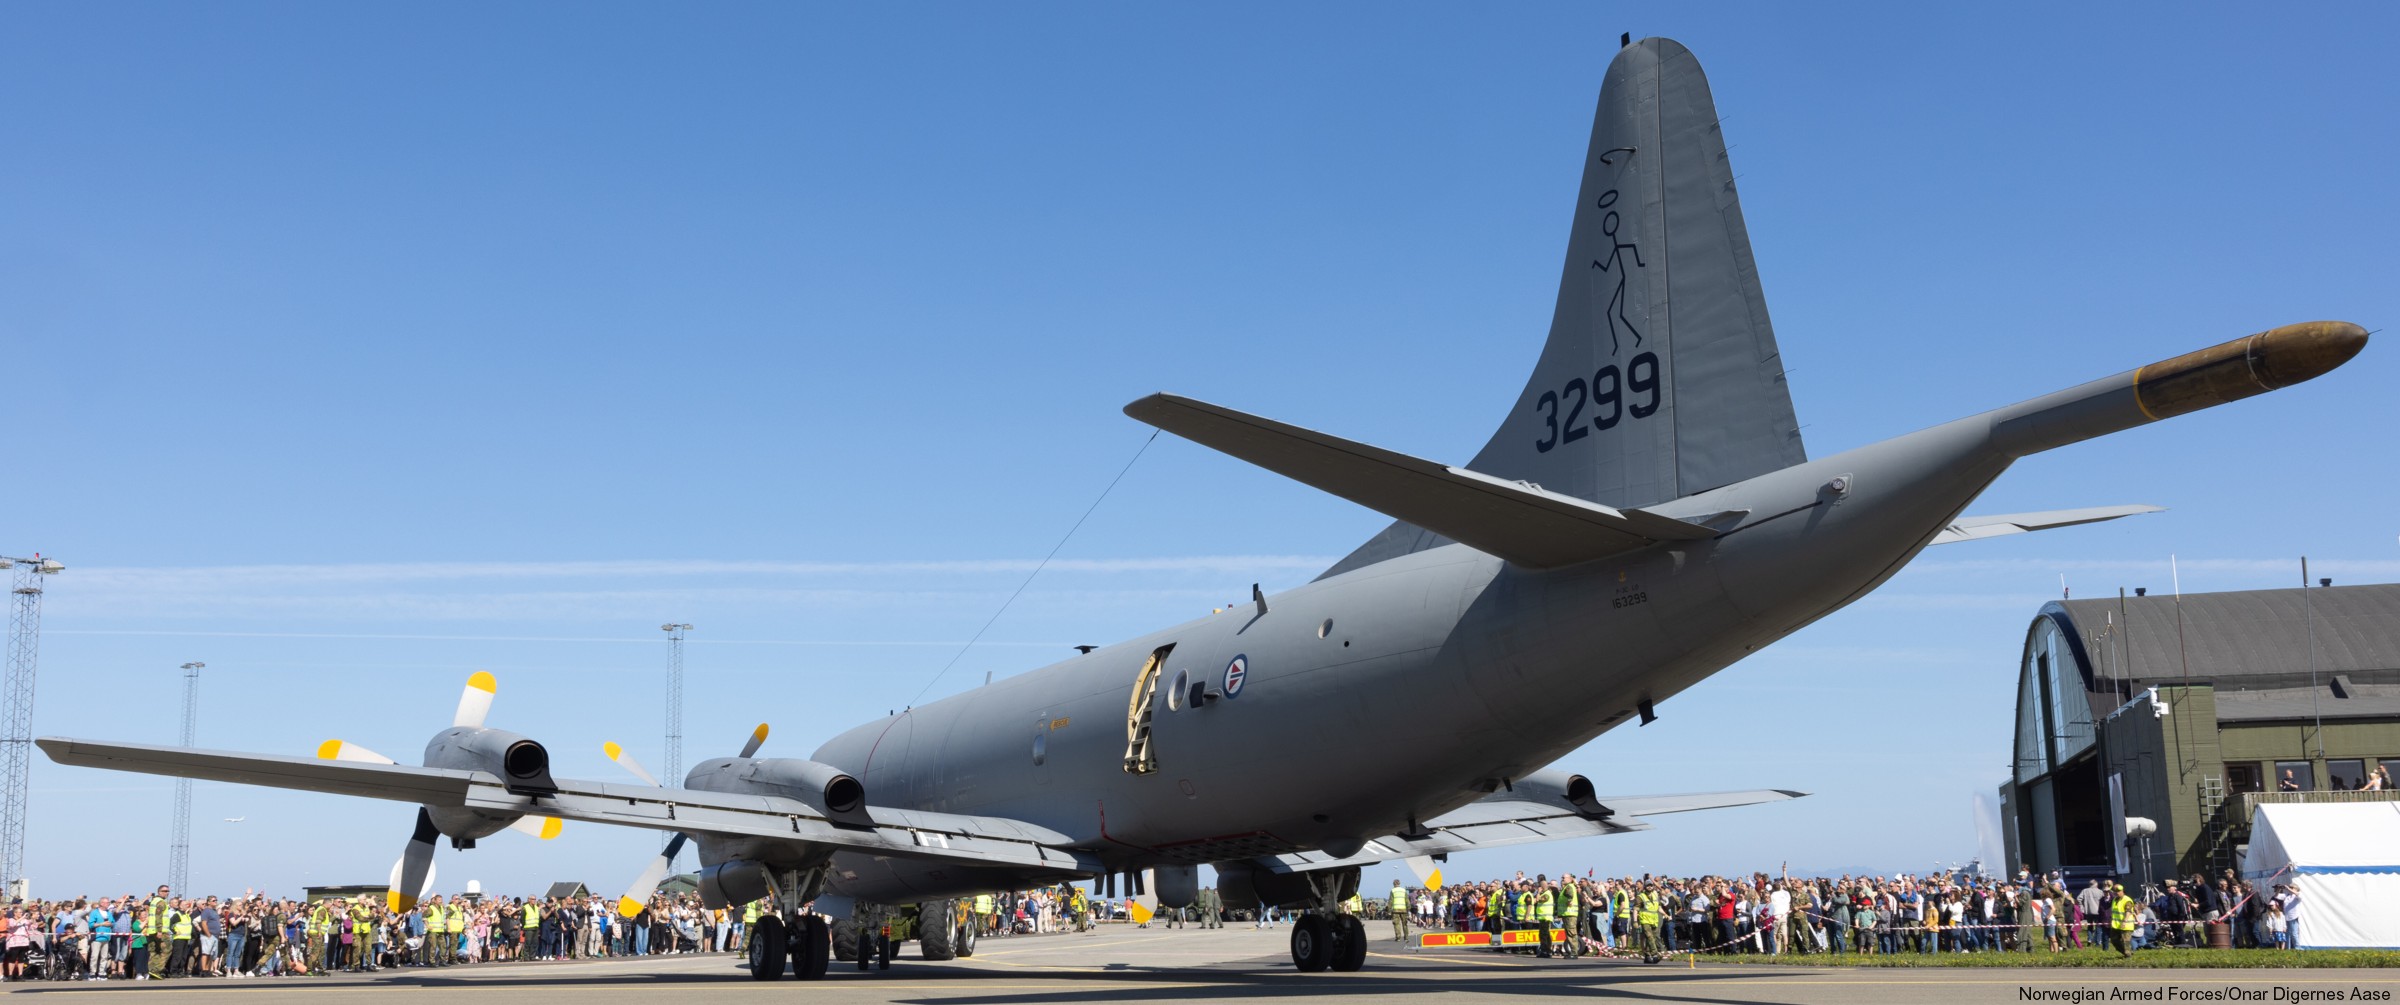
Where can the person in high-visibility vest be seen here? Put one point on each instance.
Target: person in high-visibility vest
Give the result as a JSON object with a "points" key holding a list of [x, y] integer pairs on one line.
{"points": [[2123, 914], [160, 943], [532, 914], [179, 922], [454, 923], [1645, 920], [749, 923], [1399, 906], [1570, 916], [984, 910], [320, 925]]}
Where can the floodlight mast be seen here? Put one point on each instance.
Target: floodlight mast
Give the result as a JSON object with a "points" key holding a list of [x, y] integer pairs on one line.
{"points": [[16, 710], [674, 775], [179, 849]]}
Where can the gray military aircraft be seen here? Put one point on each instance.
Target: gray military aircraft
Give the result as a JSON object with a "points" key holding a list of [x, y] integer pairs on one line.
{"points": [[1644, 517]]}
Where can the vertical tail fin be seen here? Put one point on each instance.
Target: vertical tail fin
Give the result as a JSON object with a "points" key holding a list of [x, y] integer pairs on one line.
{"points": [[1661, 377]]}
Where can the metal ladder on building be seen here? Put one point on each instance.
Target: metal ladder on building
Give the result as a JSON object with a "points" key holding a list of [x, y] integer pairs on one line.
{"points": [[2216, 830]]}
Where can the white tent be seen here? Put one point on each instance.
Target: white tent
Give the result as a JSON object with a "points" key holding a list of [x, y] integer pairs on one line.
{"points": [[2344, 858]]}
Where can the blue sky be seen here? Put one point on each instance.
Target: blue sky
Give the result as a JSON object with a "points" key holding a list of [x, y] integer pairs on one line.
{"points": [[357, 347]]}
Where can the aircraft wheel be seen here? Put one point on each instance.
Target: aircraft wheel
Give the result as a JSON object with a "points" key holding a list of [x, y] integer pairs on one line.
{"points": [[845, 939], [935, 930], [1312, 943], [767, 951], [810, 958], [965, 942], [1349, 943]]}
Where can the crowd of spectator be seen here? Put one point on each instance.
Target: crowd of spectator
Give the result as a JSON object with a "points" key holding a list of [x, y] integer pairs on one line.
{"points": [[1653, 916], [167, 937], [164, 937]]}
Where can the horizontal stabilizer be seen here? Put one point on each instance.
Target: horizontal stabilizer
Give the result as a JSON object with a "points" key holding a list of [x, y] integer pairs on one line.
{"points": [[1505, 818], [1522, 523], [1976, 528]]}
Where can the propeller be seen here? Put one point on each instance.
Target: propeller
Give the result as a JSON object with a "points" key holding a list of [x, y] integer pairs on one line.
{"points": [[412, 875], [646, 884], [624, 760], [475, 700]]}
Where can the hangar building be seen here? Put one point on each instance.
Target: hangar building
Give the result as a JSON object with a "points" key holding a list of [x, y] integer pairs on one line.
{"points": [[2190, 714]]}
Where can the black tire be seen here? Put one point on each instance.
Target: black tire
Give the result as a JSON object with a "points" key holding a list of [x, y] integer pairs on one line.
{"points": [[1312, 943], [768, 952], [936, 930], [1349, 943], [810, 952], [845, 939], [966, 937]]}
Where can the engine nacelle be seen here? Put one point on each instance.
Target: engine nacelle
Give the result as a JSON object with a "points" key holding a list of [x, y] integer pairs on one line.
{"points": [[827, 788], [1559, 788], [729, 883], [522, 765]]}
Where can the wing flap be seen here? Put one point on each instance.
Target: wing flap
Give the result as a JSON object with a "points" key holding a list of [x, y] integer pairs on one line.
{"points": [[1522, 523]]}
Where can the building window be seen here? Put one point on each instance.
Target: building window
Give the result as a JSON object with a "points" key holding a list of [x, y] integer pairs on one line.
{"points": [[2295, 776], [2243, 778], [2346, 775]]}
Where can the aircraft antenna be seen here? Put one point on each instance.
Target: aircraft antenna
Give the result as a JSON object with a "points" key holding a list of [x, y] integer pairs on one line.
{"points": [[24, 647], [1037, 569], [179, 847]]}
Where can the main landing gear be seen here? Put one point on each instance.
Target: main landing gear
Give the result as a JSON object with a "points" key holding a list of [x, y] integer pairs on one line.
{"points": [[786, 937], [1325, 938]]}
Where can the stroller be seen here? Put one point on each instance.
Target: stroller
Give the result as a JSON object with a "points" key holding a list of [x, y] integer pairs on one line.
{"points": [[61, 963]]}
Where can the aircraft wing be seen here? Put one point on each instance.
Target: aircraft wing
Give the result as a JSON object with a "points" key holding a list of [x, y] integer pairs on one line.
{"points": [[1504, 819], [1517, 521], [1976, 528], [967, 840]]}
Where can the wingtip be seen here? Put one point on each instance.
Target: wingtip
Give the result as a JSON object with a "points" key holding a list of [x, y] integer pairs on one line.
{"points": [[1792, 793]]}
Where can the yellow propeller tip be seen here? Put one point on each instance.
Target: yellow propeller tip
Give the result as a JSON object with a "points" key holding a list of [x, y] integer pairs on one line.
{"points": [[329, 750], [551, 826], [400, 902], [612, 750], [483, 681], [760, 733], [628, 907]]}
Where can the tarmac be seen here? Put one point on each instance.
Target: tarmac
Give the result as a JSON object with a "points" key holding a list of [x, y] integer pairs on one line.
{"points": [[1243, 964]]}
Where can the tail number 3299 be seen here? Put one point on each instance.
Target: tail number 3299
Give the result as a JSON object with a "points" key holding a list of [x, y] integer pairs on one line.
{"points": [[1610, 395]]}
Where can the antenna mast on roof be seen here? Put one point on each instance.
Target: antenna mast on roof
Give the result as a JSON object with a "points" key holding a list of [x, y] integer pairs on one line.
{"points": [[2308, 614]]}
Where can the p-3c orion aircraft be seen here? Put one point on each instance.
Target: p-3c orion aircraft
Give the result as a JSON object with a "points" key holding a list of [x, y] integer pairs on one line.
{"points": [[1644, 517]]}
